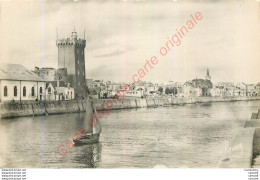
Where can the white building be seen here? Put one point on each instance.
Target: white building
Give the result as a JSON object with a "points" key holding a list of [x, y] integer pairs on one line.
{"points": [[49, 74], [59, 91], [19, 84], [134, 93], [190, 91]]}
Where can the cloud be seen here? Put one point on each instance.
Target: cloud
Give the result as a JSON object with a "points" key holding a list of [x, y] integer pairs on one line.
{"points": [[120, 36]]}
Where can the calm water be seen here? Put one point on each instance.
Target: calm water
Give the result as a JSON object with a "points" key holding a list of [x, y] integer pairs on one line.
{"points": [[178, 136]]}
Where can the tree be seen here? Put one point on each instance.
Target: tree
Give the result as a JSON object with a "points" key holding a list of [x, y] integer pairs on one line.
{"points": [[174, 90], [160, 89], [167, 91], [170, 90], [203, 84]]}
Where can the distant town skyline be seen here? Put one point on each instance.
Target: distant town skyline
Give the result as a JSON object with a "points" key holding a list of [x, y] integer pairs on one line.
{"points": [[120, 36]]}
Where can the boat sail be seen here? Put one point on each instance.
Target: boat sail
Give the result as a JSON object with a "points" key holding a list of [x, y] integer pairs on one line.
{"points": [[97, 129], [88, 125], [93, 127]]}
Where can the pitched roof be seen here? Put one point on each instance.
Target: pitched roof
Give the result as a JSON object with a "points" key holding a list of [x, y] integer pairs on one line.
{"points": [[54, 84], [188, 83], [17, 72]]}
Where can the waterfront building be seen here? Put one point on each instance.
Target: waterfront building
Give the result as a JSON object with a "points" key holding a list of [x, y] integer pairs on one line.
{"points": [[71, 58], [115, 87], [135, 93], [65, 92], [152, 89], [89, 83], [239, 92], [95, 91], [252, 90], [178, 87], [190, 91], [241, 85], [20, 84], [50, 92], [187, 89], [218, 91], [223, 89], [59, 90], [48, 73], [97, 83], [140, 87]]}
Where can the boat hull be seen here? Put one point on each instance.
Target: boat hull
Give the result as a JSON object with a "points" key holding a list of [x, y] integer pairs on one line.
{"points": [[89, 139]]}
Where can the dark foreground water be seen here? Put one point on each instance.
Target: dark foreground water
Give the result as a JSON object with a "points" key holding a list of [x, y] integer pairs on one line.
{"points": [[177, 136]]}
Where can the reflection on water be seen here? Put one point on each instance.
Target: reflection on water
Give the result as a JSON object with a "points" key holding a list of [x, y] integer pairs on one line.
{"points": [[89, 156], [177, 136]]}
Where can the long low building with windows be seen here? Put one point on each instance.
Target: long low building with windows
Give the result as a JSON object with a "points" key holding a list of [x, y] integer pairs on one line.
{"points": [[19, 84]]}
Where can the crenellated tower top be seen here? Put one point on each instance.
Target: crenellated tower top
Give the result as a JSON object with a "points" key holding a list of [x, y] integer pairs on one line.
{"points": [[72, 41]]}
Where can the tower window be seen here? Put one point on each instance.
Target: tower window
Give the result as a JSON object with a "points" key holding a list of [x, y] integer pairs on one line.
{"points": [[41, 90]]}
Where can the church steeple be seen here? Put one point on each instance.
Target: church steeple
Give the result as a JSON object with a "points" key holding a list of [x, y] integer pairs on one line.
{"points": [[207, 77]]}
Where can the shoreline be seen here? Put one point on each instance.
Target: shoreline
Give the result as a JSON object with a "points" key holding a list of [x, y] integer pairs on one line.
{"points": [[23, 109]]}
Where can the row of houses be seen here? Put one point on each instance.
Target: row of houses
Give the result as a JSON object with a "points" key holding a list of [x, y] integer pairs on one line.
{"points": [[20, 84], [194, 88], [103, 89], [239, 89]]}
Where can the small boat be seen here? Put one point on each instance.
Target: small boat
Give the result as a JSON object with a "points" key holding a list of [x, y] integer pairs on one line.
{"points": [[89, 139], [93, 130]]}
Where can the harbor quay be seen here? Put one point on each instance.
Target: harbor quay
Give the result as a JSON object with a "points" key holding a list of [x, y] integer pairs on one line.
{"points": [[32, 108], [244, 148]]}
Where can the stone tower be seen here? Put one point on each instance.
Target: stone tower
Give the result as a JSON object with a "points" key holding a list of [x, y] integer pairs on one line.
{"points": [[71, 58], [207, 77]]}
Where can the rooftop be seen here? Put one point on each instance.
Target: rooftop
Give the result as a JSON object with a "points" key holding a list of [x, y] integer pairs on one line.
{"points": [[17, 72]]}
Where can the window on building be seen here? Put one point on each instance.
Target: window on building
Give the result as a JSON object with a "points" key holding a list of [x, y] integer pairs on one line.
{"points": [[32, 91], [82, 52], [49, 90], [78, 61], [15, 91], [24, 91], [5, 91], [41, 90]]}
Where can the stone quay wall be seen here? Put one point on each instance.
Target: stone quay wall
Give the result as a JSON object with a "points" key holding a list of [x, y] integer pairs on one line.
{"points": [[32, 108]]}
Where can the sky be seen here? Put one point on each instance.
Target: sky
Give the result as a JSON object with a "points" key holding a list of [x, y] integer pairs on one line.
{"points": [[121, 35]]}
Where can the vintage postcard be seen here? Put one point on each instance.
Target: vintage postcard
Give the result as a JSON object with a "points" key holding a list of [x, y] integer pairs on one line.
{"points": [[129, 84]]}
